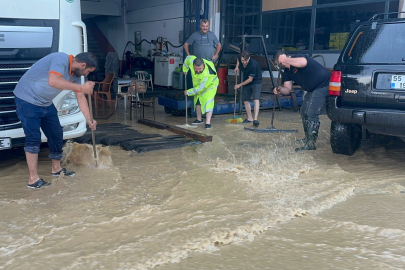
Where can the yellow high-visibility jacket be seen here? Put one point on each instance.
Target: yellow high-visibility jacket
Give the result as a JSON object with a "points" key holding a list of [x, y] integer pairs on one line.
{"points": [[205, 84]]}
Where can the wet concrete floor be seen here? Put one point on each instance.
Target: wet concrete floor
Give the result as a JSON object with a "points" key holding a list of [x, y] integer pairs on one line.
{"points": [[244, 201]]}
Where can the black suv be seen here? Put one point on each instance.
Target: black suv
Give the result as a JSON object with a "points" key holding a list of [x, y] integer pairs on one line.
{"points": [[367, 87]]}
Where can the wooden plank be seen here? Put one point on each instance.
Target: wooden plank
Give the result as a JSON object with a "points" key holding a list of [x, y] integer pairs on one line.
{"points": [[234, 48], [191, 134], [151, 123], [178, 130]]}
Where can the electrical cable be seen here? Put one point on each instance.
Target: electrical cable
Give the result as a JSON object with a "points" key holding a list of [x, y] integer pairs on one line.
{"points": [[181, 45], [130, 42]]}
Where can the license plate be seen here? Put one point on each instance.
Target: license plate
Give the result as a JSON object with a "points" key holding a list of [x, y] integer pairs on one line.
{"points": [[5, 143], [398, 82]]}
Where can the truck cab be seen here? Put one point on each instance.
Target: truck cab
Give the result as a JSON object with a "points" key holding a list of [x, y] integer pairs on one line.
{"points": [[30, 30]]}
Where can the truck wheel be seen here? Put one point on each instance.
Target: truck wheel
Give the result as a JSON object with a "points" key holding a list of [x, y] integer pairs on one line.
{"points": [[168, 110], [345, 138]]}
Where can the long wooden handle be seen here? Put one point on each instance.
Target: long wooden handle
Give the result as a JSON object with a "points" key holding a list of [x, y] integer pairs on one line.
{"points": [[234, 106], [185, 88], [275, 96], [92, 131]]}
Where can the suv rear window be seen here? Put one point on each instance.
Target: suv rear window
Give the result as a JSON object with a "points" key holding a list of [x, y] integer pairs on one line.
{"points": [[383, 44]]}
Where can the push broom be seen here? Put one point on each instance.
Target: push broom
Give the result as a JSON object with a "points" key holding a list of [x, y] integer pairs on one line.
{"points": [[93, 138], [186, 125], [235, 119], [271, 128]]}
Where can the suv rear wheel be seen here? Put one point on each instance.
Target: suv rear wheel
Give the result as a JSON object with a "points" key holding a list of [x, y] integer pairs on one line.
{"points": [[345, 138]]}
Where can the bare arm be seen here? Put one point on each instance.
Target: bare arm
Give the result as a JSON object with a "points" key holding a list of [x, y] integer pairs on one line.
{"points": [[84, 108], [249, 80], [185, 46], [58, 82], [218, 49], [299, 62], [237, 66], [285, 89]]}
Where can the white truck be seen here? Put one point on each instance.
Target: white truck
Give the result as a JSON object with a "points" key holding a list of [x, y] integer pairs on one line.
{"points": [[29, 30]]}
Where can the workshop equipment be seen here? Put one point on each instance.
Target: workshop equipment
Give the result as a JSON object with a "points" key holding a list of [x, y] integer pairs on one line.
{"points": [[222, 74], [186, 125], [235, 119], [174, 102], [164, 68]]}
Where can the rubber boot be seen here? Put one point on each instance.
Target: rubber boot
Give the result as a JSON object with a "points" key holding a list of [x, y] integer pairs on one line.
{"points": [[311, 136], [305, 125]]}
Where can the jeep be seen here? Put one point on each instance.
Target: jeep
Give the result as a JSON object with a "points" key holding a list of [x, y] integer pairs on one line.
{"points": [[367, 86]]}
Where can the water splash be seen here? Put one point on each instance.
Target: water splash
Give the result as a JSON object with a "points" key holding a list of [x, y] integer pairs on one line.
{"points": [[83, 154]]}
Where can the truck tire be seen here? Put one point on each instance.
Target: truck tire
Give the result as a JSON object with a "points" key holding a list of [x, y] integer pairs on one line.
{"points": [[345, 138]]}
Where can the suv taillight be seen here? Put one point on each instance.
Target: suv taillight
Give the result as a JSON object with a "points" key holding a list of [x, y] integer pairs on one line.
{"points": [[335, 83]]}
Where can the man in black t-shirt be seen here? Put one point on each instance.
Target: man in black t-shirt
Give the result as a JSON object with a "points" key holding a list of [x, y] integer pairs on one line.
{"points": [[252, 82], [313, 78]]}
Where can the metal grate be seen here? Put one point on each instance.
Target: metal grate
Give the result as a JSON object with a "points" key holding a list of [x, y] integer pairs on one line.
{"points": [[8, 109], [8, 122], [14, 66], [8, 79], [9, 94], [10, 74]]}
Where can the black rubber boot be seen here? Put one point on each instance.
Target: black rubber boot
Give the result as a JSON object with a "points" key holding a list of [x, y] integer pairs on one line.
{"points": [[311, 136], [305, 125]]}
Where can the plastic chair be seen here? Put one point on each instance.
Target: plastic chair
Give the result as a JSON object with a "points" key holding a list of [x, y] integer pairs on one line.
{"points": [[119, 94], [145, 77], [139, 87], [105, 86]]}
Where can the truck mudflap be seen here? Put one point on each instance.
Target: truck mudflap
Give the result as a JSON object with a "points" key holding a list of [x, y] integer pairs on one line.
{"points": [[387, 122]]}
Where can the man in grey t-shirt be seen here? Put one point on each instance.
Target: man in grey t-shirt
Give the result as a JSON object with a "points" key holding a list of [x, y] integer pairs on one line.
{"points": [[204, 43], [33, 96]]}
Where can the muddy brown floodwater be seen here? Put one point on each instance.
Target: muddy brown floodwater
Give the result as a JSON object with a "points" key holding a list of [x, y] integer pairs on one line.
{"points": [[244, 201]]}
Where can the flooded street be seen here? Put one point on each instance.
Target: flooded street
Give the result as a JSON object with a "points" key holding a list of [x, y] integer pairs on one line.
{"points": [[244, 201]]}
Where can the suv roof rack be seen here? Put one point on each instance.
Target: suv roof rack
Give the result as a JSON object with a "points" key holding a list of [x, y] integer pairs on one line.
{"points": [[375, 16]]}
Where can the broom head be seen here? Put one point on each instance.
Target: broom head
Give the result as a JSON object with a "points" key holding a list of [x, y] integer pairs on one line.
{"points": [[234, 120]]}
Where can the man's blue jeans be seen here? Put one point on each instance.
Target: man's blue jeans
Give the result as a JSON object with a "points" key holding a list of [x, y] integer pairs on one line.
{"points": [[35, 117]]}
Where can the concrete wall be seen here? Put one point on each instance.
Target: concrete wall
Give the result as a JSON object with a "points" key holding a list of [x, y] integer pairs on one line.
{"points": [[155, 18], [113, 29]]}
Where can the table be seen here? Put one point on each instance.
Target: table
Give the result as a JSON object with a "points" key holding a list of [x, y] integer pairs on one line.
{"points": [[119, 83]]}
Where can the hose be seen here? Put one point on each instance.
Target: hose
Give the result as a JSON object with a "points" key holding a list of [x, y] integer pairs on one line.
{"points": [[181, 45], [130, 42]]}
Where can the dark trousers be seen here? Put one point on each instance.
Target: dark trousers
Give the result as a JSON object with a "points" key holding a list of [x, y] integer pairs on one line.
{"points": [[313, 104], [34, 118]]}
